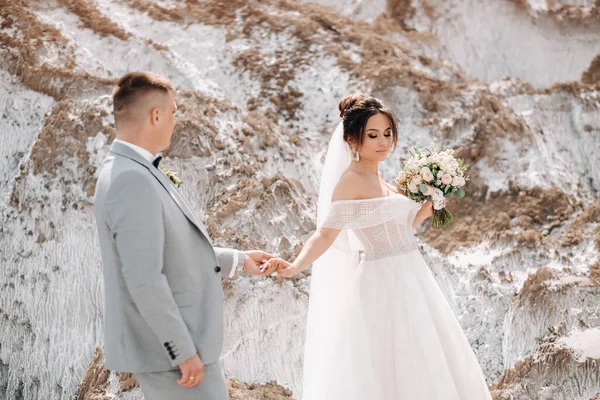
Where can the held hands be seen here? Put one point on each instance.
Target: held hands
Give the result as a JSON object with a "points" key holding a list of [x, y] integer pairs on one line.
{"points": [[283, 268], [192, 372], [256, 263], [260, 263]]}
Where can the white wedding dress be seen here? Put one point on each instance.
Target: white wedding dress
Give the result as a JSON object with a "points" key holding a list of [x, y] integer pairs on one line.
{"points": [[379, 327]]}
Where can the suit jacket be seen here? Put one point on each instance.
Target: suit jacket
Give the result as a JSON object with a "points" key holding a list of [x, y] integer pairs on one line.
{"points": [[162, 276]]}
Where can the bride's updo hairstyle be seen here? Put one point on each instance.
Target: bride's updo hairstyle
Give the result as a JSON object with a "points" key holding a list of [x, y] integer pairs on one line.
{"points": [[356, 109]]}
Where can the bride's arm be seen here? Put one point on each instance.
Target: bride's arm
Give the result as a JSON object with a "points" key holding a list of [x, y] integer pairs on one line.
{"points": [[323, 238], [314, 248]]}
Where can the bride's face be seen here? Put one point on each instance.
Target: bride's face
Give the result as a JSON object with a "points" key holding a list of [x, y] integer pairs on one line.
{"points": [[377, 140]]}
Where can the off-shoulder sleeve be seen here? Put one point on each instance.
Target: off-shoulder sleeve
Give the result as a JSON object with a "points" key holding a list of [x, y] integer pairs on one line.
{"points": [[360, 214]]}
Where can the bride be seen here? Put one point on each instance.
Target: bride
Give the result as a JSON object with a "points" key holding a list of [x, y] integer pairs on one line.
{"points": [[379, 327]]}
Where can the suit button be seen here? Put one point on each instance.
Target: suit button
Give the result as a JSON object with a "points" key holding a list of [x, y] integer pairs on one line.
{"points": [[217, 269]]}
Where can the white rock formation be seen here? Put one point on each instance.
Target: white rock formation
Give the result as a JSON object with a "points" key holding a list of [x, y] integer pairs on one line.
{"points": [[259, 85]]}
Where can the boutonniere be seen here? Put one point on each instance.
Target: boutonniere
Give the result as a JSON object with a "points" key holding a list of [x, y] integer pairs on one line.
{"points": [[172, 175]]}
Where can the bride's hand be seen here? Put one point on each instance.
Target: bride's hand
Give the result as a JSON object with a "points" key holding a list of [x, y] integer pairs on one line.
{"points": [[285, 269], [424, 212], [426, 209]]}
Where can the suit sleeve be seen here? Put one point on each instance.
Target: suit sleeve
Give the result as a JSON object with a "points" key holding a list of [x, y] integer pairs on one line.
{"points": [[136, 222], [229, 260]]}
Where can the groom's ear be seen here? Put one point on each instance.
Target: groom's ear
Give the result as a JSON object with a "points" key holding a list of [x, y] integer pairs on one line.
{"points": [[133, 90], [154, 116]]}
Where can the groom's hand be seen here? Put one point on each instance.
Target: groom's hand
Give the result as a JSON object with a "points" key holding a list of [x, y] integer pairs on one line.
{"points": [[192, 371], [256, 263]]}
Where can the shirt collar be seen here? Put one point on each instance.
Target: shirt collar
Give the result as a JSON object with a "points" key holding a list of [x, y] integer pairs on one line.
{"points": [[141, 151]]}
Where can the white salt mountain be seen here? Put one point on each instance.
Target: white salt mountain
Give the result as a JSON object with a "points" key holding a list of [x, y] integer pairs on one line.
{"points": [[259, 84]]}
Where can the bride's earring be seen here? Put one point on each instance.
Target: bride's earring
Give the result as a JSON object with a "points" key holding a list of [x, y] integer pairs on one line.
{"points": [[355, 155]]}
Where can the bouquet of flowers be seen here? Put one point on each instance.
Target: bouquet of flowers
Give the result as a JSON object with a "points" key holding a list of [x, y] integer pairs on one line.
{"points": [[436, 176]]}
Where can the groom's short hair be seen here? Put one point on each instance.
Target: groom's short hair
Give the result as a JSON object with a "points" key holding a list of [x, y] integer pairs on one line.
{"points": [[134, 86]]}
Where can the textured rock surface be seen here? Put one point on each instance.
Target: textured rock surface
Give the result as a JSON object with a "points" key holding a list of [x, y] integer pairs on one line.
{"points": [[259, 83]]}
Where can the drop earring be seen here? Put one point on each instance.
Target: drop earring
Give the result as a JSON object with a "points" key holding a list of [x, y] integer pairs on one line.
{"points": [[355, 155]]}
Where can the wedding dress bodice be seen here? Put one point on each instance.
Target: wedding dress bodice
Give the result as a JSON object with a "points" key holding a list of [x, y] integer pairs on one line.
{"points": [[383, 226]]}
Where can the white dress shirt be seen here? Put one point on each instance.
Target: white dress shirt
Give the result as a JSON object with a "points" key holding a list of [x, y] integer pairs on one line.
{"points": [[150, 157], [140, 150]]}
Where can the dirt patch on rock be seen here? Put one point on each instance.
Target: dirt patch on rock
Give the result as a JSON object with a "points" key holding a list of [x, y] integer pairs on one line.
{"points": [[20, 54], [64, 136], [571, 14], [592, 74], [494, 219], [535, 287], [549, 366], [93, 19], [585, 223], [400, 10], [595, 273], [95, 382], [269, 391]]}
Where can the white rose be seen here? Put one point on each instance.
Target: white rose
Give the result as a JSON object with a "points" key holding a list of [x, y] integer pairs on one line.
{"points": [[416, 179], [438, 182], [414, 188], [412, 163], [446, 179], [429, 191]]}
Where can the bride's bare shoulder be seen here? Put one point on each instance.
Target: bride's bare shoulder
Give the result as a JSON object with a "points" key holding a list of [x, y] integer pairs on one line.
{"points": [[348, 188]]}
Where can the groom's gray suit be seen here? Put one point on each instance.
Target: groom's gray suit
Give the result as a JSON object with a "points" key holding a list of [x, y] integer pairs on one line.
{"points": [[162, 279]]}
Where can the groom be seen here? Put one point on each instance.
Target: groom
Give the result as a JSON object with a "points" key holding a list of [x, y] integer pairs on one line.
{"points": [[162, 276]]}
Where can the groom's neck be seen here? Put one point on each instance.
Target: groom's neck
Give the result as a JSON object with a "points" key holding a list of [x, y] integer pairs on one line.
{"points": [[139, 141]]}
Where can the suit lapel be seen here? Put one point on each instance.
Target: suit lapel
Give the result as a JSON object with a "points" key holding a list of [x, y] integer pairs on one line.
{"points": [[124, 151], [178, 198]]}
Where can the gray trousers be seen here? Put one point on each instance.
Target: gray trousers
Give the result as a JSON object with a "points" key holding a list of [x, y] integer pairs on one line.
{"points": [[163, 385]]}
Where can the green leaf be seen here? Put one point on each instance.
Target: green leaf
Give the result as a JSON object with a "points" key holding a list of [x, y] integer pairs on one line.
{"points": [[459, 194], [423, 188], [448, 195]]}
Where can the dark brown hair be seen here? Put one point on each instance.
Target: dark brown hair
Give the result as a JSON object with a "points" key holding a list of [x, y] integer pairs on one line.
{"points": [[134, 86], [356, 109]]}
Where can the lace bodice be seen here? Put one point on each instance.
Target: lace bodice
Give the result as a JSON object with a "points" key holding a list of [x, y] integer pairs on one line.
{"points": [[383, 226]]}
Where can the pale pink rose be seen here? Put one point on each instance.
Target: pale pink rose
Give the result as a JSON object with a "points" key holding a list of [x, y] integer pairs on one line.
{"points": [[446, 179], [414, 188], [437, 195], [416, 179], [426, 174], [458, 181], [430, 191]]}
